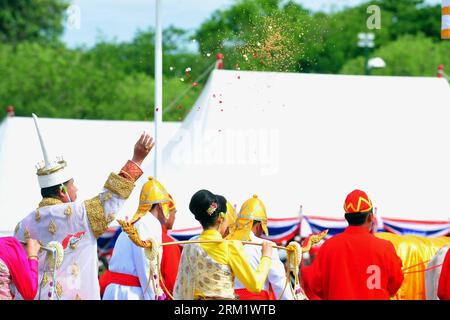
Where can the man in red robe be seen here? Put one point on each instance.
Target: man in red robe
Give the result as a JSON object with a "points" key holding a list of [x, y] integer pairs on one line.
{"points": [[444, 279], [355, 265], [171, 254], [306, 274]]}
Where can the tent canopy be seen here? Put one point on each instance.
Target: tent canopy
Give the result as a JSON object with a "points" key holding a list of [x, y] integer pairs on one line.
{"points": [[91, 148], [292, 139], [309, 139]]}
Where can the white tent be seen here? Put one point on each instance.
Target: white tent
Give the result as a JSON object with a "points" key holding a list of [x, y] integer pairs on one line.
{"points": [[292, 139], [309, 139], [92, 149]]}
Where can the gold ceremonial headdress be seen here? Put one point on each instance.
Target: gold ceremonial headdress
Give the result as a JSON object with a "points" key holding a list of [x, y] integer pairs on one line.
{"points": [[252, 210], [51, 172], [231, 217], [152, 192]]}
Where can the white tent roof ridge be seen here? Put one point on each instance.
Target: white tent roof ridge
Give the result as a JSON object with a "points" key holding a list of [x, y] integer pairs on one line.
{"points": [[336, 133], [291, 73]]}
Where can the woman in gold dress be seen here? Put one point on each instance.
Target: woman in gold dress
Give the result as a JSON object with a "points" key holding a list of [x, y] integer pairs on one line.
{"points": [[207, 270]]}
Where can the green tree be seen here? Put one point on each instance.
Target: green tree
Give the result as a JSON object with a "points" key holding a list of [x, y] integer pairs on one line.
{"points": [[410, 17], [54, 81], [139, 54], [312, 42], [31, 20], [407, 56], [258, 35]]}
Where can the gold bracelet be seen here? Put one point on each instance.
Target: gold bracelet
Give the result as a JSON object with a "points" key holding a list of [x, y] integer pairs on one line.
{"points": [[33, 257]]}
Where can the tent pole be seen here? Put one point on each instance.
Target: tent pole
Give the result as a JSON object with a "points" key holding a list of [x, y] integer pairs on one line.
{"points": [[300, 216], [158, 108]]}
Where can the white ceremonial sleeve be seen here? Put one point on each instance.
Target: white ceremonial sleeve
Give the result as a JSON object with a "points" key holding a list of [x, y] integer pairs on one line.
{"points": [[148, 226]]}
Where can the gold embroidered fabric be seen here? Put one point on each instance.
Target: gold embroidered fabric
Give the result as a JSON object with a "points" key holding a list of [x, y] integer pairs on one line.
{"points": [[4, 269], [96, 216], [26, 234], [131, 171], [59, 289], [45, 202], [5, 282], [110, 218], [16, 229], [37, 216], [106, 196], [75, 270], [199, 276], [119, 185], [44, 279], [52, 227], [68, 211]]}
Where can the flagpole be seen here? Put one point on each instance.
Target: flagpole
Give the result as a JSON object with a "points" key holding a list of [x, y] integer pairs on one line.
{"points": [[158, 108], [300, 217]]}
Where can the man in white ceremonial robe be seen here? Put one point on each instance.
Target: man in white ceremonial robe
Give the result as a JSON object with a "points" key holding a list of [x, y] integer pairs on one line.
{"points": [[129, 268], [76, 225], [250, 225]]}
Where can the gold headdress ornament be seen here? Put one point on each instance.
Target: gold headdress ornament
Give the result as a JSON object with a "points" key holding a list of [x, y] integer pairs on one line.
{"points": [[212, 208], [252, 210], [152, 192], [231, 217]]}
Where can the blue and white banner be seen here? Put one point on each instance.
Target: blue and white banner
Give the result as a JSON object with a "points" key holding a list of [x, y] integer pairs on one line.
{"points": [[284, 230], [279, 230], [107, 241], [397, 226], [318, 224], [185, 234], [417, 228]]}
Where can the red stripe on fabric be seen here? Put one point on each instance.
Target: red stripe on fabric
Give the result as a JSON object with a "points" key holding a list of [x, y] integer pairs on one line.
{"points": [[430, 268], [324, 218], [244, 294], [187, 229], [416, 221], [124, 279], [283, 219], [289, 236]]}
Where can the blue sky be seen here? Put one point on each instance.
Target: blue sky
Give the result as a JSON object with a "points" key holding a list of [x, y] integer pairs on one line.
{"points": [[120, 19]]}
